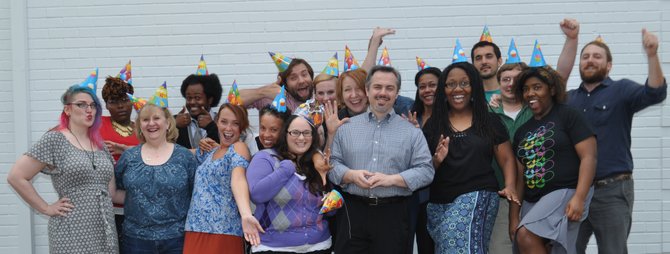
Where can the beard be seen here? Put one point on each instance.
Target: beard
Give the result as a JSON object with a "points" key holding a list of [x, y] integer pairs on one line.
{"points": [[295, 95], [599, 75]]}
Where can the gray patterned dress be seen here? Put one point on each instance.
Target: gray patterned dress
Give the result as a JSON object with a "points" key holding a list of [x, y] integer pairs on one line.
{"points": [[89, 227]]}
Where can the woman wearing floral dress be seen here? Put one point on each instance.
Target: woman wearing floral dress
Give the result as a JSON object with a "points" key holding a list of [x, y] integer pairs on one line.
{"points": [[220, 206]]}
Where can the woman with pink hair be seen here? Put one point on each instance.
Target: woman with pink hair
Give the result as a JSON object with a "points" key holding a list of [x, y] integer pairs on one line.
{"points": [[82, 172]]}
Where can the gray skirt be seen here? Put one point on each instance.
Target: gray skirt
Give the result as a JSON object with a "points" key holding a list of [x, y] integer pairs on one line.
{"points": [[546, 218]]}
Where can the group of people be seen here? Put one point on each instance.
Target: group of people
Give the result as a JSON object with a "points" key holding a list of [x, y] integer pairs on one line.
{"points": [[489, 157]]}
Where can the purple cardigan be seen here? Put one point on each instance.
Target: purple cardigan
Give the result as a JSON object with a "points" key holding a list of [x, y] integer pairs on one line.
{"points": [[286, 209]]}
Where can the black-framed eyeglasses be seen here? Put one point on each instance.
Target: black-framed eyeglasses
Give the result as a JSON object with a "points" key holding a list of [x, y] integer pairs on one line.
{"points": [[84, 105], [297, 133], [462, 84]]}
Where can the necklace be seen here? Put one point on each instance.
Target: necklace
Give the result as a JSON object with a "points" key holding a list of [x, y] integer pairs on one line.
{"points": [[92, 158], [124, 131]]}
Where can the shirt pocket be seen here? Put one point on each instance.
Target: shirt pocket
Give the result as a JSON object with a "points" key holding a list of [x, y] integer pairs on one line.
{"points": [[601, 113]]}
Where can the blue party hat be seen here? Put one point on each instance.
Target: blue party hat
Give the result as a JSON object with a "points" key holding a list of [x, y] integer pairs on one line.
{"points": [[513, 54], [279, 103], [459, 54], [537, 59]]}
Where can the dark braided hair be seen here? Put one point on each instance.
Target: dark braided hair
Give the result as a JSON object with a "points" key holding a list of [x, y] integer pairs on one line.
{"points": [[115, 89], [439, 123]]}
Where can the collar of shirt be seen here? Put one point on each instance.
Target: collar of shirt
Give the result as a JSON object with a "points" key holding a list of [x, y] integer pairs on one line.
{"points": [[388, 117], [605, 83]]}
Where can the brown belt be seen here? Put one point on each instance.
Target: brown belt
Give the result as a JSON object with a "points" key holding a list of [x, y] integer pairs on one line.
{"points": [[612, 179]]}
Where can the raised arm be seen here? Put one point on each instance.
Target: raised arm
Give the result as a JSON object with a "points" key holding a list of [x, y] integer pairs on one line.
{"points": [[566, 60], [19, 178], [373, 46], [250, 95], [650, 45]]}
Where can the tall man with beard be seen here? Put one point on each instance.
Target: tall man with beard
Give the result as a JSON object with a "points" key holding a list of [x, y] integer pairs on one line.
{"points": [[379, 159], [609, 106], [297, 77]]}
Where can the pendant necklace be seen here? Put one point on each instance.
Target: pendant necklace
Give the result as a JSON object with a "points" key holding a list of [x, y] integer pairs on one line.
{"points": [[92, 158]]}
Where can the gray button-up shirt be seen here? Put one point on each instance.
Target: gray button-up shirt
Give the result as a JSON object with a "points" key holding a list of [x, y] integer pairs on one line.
{"points": [[390, 146]]}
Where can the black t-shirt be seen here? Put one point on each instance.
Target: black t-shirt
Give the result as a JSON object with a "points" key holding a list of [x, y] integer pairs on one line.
{"points": [[467, 167], [546, 149]]}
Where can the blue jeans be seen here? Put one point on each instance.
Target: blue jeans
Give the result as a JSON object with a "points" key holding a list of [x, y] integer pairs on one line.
{"points": [[139, 246], [610, 218]]}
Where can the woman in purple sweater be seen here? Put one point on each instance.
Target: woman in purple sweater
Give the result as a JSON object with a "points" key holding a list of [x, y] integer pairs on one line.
{"points": [[287, 190]]}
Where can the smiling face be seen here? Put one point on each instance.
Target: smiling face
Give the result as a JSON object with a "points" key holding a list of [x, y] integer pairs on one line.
{"points": [[427, 87], [81, 110], [153, 123], [299, 144], [196, 100], [382, 92], [486, 62], [354, 97], [458, 96], [325, 91], [270, 127], [228, 126], [506, 83], [593, 64], [299, 83], [538, 96]]}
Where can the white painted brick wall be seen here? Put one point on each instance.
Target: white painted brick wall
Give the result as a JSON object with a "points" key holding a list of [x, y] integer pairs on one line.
{"points": [[8, 200], [164, 38]]}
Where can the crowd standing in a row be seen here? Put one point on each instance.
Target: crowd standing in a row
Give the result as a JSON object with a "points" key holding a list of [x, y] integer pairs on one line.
{"points": [[488, 158]]}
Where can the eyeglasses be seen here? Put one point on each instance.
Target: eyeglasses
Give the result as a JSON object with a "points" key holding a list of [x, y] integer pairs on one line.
{"points": [[297, 133], [84, 105], [462, 84]]}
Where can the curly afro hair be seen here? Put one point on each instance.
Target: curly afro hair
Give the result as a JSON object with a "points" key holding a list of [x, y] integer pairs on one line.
{"points": [[210, 83], [115, 88]]}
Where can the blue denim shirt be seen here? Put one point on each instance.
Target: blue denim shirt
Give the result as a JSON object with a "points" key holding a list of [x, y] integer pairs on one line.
{"points": [[609, 108]]}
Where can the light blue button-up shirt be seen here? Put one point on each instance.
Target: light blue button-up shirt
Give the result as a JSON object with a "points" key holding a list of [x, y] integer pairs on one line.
{"points": [[391, 146]]}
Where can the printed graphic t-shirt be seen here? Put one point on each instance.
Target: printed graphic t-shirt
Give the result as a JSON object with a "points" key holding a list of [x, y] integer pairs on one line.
{"points": [[546, 149]]}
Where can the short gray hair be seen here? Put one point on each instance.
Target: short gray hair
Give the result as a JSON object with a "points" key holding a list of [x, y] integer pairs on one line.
{"points": [[382, 68]]}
